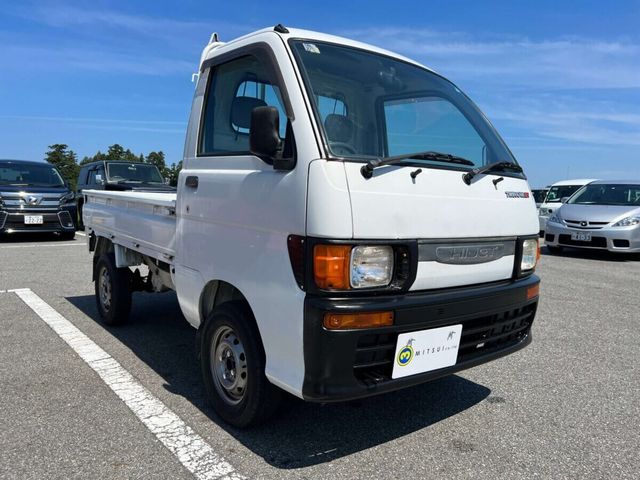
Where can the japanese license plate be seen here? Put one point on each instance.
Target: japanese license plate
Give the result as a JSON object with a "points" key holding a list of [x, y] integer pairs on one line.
{"points": [[426, 350], [581, 236], [33, 220]]}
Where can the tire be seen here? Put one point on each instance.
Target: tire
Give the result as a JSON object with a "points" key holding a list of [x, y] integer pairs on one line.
{"points": [[554, 250], [79, 221], [237, 388], [113, 291]]}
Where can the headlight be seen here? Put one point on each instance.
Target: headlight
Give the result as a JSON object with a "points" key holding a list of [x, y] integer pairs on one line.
{"points": [[371, 266], [68, 198], [627, 222], [529, 254], [554, 219]]}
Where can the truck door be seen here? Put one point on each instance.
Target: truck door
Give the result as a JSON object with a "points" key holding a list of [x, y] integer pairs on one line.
{"points": [[235, 211]]}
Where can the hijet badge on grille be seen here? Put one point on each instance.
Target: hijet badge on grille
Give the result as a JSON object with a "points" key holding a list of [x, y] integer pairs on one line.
{"points": [[469, 254]]}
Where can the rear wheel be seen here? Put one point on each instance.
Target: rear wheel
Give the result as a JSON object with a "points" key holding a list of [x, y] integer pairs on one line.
{"points": [[232, 364], [554, 249], [113, 290]]}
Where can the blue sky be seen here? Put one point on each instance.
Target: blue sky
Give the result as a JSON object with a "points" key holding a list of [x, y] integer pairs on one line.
{"points": [[559, 80]]}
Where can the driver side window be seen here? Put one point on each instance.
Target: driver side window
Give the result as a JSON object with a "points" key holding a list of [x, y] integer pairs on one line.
{"points": [[235, 88]]}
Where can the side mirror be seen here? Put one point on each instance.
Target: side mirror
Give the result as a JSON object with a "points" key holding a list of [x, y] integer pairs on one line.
{"points": [[99, 179], [564, 199], [264, 137]]}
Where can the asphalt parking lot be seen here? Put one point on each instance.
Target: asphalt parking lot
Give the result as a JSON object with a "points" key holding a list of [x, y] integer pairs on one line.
{"points": [[568, 406]]}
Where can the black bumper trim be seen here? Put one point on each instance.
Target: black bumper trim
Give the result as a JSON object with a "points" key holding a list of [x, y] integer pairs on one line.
{"points": [[334, 365]]}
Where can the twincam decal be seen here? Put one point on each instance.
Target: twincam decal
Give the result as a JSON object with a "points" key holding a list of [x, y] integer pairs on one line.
{"points": [[405, 355], [517, 194]]}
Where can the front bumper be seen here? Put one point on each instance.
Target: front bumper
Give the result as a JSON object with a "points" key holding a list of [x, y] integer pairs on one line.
{"points": [[618, 239], [61, 220], [342, 365]]}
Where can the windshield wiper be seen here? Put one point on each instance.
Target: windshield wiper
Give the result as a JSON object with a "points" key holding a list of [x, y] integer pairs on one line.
{"points": [[371, 165], [492, 167]]}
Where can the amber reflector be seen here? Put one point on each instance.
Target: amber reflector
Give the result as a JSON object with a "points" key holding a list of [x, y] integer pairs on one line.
{"points": [[533, 292], [341, 321], [331, 266]]}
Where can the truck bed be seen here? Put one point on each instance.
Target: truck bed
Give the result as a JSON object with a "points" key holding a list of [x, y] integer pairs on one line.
{"points": [[141, 221]]}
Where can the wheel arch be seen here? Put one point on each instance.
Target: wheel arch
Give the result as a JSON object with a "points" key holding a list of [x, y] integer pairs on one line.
{"points": [[214, 294]]}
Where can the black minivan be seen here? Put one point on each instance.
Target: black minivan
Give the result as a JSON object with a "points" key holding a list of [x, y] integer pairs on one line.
{"points": [[35, 198], [120, 176]]}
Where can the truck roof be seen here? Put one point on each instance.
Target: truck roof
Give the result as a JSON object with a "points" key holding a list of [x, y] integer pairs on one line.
{"points": [[579, 181], [24, 162], [214, 47]]}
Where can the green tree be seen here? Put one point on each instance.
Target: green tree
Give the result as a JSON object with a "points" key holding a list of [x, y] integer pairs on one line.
{"points": [[157, 159], [173, 172], [115, 152], [65, 160]]}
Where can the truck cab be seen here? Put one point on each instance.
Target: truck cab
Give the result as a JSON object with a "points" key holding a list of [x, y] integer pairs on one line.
{"points": [[345, 217]]}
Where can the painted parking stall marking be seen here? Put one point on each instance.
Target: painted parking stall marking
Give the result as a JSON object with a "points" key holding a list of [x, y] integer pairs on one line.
{"points": [[193, 452]]}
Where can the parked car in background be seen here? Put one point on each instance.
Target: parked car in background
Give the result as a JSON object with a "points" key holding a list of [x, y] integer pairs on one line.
{"points": [[539, 194], [117, 175], [35, 198], [603, 214], [553, 200]]}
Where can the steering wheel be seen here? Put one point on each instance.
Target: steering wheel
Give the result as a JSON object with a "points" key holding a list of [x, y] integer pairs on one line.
{"points": [[340, 148]]}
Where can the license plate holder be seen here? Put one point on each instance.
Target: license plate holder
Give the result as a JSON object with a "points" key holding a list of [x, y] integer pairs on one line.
{"points": [[426, 350], [33, 219], [581, 236]]}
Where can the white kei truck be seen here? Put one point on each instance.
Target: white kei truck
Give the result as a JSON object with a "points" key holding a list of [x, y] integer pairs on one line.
{"points": [[346, 223]]}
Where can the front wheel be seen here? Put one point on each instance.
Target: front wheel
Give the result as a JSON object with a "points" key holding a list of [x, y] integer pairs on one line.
{"points": [[113, 290], [232, 363]]}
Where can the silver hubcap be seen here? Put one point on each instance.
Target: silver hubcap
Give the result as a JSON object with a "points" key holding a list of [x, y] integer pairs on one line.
{"points": [[229, 365], [105, 289]]}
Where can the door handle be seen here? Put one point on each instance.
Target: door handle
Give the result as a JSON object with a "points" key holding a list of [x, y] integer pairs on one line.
{"points": [[191, 181]]}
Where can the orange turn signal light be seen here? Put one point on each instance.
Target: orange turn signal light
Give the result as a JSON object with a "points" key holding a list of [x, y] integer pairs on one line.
{"points": [[343, 321], [533, 292], [331, 266]]}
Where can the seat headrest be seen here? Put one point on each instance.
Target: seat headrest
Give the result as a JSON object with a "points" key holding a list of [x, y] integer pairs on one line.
{"points": [[338, 127], [241, 109]]}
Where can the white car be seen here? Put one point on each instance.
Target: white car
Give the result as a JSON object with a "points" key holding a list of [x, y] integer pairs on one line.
{"points": [[553, 200], [347, 223]]}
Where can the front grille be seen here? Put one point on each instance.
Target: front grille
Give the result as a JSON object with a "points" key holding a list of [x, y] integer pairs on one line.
{"points": [[549, 237], [480, 336], [19, 202], [3, 218], [596, 242], [584, 225]]}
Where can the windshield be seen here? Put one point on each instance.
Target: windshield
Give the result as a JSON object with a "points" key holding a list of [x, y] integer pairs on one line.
{"points": [[29, 175], [371, 106], [602, 194], [556, 194], [133, 173]]}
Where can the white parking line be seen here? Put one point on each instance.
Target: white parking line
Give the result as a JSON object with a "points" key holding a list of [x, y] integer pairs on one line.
{"points": [[42, 245], [82, 234], [189, 447]]}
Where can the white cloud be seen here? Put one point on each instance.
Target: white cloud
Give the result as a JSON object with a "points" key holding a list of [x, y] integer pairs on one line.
{"points": [[562, 63]]}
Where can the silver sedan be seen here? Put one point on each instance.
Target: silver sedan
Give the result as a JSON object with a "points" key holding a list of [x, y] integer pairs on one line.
{"points": [[601, 215]]}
